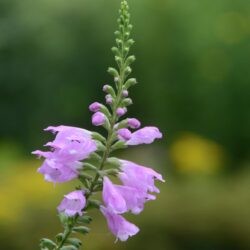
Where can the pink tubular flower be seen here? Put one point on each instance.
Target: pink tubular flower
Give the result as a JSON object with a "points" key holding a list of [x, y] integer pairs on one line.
{"points": [[95, 106], [70, 146], [121, 111], [98, 119], [112, 198], [57, 172], [121, 199], [139, 177], [120, 227], [133, 123], [123, 134], [145, 135], [73, 203]]}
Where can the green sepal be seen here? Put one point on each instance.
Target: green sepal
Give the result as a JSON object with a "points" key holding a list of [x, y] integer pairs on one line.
{"points": [[98, 137], [63, 218], [113, 161], [130, 42], [116, 51], [85, 219], [100, 146], [127, 102], [94, 204], [113, 72], [59, 237], [83, 176], [81, 229], [88, 166], [74, 241], [110, 90], [47, 243], [105, 111], [118, 145], [128, 70], [130, 60], [111, 171], [130, 82]]}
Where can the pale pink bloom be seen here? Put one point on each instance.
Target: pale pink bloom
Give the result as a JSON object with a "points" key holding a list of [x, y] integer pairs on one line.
{"points": [[144, 135], [73, 203], [120, 227], [139, 177]]}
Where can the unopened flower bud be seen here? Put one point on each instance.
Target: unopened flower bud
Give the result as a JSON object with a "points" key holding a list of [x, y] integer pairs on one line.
{"points": [[109, 99], [130, 59], [127, 101], [121, 111], [125, 93], [105, 88], [98, 119], [133, 123], [113, 72], [124, 134], [128, 70], [116, 79], [95, 106], [130, 82], [109, 90]]}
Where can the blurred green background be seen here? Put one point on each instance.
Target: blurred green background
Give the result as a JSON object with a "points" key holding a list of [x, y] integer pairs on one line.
{"points": [[192, 66]]}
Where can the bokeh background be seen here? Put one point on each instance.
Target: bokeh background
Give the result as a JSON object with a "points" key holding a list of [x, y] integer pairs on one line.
{"points": [[193, 64]]}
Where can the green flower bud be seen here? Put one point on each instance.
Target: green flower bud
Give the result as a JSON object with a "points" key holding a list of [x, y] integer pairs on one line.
{"points": [[130, 60], [81, 229], [113, 72], [127, 102], [130, 82]]}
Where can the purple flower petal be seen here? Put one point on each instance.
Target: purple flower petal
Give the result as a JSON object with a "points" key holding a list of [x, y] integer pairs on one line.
{"points": [[112, 197], [139, 177], [145, 135], [120, 227], [73, 203]]}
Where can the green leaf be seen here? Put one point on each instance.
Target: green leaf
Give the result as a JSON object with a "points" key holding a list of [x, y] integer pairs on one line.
{"points": [[81, 229]]}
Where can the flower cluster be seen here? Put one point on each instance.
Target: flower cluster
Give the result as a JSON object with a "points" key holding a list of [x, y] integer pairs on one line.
{"points": [[138, 184], [76, 153], [70, 146]]}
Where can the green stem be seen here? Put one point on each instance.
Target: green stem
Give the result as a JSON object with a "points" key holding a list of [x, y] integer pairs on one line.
{"points": [[114, 118]]}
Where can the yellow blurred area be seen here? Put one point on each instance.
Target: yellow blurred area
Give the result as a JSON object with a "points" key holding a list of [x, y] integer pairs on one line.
{"points": [[191, 153], [21, 188], [233, 27]]}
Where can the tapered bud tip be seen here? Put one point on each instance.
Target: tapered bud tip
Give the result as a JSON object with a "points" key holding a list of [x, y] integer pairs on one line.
{"points": [[95, 106], [133, 123], [121, 111], [98, 119], [109, 99], [116, 79], [125, 93], [105, 88]]}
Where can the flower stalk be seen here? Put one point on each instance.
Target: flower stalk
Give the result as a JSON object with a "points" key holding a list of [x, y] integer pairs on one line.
{"points": [[78, 153]]}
